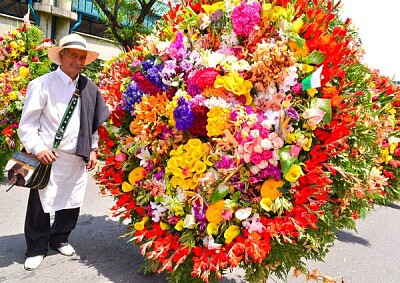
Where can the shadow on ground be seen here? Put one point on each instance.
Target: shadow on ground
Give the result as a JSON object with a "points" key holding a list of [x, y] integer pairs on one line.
{"points": [[98, 244]]}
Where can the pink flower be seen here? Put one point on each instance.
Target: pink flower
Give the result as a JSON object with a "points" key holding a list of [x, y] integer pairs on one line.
{"points": [[267, 154], [255, 158], [120, 157], [227, 215], [245, 17], [294, 150]]}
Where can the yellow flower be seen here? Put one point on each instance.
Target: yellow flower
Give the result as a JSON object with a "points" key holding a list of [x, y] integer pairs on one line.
{"points": [[306, 68], [199, 167], [292, 137], [13, 95], [14, 44], [212, 229], [294, 173], [236, 84], [126, 187], [210, 9], [311, 92], [136, 175], [214, 212], [140, 225], [265, 203], [164, 226], [297, 26], [23, 72], [211, 159], [385, 156], [231, 233], [179, 225], [217, 121], [270, 189], [307, 144]]}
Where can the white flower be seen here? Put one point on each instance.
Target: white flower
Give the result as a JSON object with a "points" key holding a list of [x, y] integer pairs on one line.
{"points": [[243, 213], [157, 211], [314, 116], [189, 222], [205, 22], [144, 156], [208, 241], [255, 224]]}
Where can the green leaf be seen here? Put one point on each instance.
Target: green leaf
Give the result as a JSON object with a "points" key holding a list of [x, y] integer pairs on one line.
{"points": [[324, 105], [287, 160], [236, 196], [157, 61], [220, 192], [315, 58], [297, 38]]}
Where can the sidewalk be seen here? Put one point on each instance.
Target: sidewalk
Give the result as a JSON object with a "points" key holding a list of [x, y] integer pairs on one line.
{"points": [[369, 256]]}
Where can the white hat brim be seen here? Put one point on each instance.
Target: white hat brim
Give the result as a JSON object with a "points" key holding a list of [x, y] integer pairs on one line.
{"points": [[54, 56]]}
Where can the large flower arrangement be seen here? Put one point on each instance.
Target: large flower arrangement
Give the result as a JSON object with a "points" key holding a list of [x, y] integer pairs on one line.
{"points": [[243, 134], [23, 56]]}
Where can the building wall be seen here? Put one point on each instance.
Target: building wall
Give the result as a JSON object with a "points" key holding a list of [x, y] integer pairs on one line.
{"points": [[106, 48]]}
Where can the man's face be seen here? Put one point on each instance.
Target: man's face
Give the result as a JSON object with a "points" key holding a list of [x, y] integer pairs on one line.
{"points": [[72, 61]]}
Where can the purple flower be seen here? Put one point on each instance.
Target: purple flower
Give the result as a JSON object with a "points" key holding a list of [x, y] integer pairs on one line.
{"points": [[154, 75], [297, 88], [183, 115], [177, 49], [224, 163], [147, 64], [271, 171], [193, 89], [292, 113], [130, 96]]}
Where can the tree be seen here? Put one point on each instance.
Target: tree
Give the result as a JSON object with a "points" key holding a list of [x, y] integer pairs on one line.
{"points": [[126, 19]]}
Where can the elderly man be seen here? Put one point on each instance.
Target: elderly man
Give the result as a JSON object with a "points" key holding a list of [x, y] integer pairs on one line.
{"points": [[46, 102]]}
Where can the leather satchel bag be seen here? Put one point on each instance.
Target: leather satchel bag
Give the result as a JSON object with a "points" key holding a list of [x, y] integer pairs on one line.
{"points": [[25, 169]]}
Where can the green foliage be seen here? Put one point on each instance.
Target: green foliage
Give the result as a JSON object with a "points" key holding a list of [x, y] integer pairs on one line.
{"points": [[125, 19], [93, 70]]}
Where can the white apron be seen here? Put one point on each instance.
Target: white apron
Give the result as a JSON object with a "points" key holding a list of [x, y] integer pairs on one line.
{"points": [[68, 192]]}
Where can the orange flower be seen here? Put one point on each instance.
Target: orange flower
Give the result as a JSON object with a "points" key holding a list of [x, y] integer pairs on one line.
{"points": [[214, 212], [136, 175], [270, 189]]}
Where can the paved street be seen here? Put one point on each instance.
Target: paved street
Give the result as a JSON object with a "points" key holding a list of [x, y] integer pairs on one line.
{"points": [[370, 256]]}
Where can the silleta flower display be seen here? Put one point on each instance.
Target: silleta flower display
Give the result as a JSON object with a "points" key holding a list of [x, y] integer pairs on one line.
{"points": [[23, 57], [243, 134]]}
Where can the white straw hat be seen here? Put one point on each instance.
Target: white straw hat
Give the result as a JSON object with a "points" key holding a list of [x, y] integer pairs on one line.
{"points": [[72, 41]]}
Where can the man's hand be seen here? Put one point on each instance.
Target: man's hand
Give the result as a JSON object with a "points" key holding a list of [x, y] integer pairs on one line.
{"points": [[92, 160], [47, 156]]}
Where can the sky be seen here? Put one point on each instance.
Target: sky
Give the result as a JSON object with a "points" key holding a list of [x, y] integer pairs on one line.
{"points": [[378, 23]]}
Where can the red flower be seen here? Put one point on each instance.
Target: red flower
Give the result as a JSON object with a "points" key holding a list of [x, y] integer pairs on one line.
{"points": [[8, 131], [205, 77], [200, 120]]}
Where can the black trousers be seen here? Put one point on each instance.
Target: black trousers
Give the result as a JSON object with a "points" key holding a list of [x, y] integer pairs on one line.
{"points": [[38, 232]]}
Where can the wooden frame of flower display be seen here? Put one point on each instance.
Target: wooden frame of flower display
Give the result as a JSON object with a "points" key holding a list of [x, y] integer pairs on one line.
{"points": [[242, 165]]}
